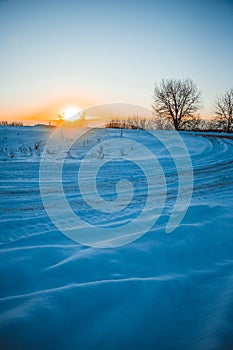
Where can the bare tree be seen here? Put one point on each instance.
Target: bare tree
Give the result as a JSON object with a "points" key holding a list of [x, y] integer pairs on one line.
{"points": [[224, 111], [177, 101]]}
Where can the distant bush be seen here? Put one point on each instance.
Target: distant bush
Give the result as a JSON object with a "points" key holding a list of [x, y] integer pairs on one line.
{"points": [[134, 122]]}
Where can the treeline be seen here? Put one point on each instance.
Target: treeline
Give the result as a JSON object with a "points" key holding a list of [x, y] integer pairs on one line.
{"points": [[176, 104], [6, 123], [160, 123]]}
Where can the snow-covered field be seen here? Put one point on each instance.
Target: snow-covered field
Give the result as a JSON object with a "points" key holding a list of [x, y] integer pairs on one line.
{"points": [[162, 291]]}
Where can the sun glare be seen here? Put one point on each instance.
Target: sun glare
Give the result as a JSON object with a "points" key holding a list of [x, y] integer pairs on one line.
{"points": [[71, 112]]}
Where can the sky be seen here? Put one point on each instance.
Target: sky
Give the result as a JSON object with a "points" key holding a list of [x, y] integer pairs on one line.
{"points": [[56, 54]]}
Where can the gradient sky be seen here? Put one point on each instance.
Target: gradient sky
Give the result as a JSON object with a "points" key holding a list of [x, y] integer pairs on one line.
{"points": [[56, 53]]}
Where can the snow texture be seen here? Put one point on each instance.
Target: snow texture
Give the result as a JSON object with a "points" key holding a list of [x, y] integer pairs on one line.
{"points": [[163, 291]]}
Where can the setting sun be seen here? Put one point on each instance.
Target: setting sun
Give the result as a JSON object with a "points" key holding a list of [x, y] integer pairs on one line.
{"points": [[71, 112]]}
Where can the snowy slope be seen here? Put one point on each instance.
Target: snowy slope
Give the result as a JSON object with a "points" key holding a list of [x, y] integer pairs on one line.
{"points": [[162, 291]]}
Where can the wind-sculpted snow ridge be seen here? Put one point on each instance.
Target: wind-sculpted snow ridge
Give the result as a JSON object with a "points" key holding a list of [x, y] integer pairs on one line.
{"points": [[162, 291]]}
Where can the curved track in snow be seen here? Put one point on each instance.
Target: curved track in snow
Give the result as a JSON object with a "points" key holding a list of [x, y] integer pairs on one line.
{"points": [[162, 291]]}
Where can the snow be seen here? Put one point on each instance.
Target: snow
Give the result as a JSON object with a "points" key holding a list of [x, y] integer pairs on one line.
{"points": [[161, 291]]}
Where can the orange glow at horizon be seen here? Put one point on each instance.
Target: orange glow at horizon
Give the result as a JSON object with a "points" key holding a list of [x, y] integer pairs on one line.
{"points": [[46, 113]]}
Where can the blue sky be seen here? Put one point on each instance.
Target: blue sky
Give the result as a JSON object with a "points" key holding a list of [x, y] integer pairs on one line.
{"points": [[91, 52]]}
